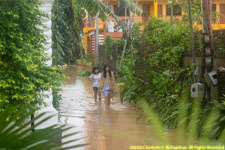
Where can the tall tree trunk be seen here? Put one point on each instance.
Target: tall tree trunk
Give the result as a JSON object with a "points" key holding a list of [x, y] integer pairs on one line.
{"points": [[171, 24], [207, 31], [131, 50], [128, 35], [96, 40], [192, 37]]}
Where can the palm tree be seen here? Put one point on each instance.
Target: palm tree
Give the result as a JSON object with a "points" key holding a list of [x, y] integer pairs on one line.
{"points": [[16, 132], [67, 24]]}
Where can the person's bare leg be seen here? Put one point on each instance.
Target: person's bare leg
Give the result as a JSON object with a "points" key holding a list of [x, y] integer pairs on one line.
{"points": [[99, 97], [95, 95], [108, 100]]}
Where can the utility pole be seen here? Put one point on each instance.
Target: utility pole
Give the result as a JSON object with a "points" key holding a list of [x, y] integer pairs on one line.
{"points": [[97, 40], [207, 61], [128, 31], [131, 50], [171, 24], [125, 16], [104, 25], [192, 37]]}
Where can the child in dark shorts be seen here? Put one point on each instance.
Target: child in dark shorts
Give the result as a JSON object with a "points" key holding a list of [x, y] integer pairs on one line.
{"points": [[95, 76]]}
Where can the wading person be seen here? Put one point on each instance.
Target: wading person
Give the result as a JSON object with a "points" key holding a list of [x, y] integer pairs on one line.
{"points": [[107, 83], [95, 77]]}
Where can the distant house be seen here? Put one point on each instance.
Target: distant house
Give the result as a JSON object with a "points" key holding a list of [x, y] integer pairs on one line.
{"points": [[164, 11], [160, 8]]}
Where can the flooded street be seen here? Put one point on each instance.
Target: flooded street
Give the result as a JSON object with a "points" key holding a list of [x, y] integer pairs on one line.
{"points": [[104, 128]]}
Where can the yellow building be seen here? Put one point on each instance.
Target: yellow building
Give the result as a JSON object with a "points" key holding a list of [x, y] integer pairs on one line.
{"points": [[149, 8], [157, 7], [218, 6]]}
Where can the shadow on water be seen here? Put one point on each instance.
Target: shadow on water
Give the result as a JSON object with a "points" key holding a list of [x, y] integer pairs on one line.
{"points": [[105, 128]]}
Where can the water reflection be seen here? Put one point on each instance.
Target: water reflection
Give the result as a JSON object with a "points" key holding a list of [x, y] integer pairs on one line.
{"points": [[105, 128]]}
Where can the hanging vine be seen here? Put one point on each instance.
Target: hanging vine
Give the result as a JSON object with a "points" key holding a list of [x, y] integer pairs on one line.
{"points": [[67, 22]]}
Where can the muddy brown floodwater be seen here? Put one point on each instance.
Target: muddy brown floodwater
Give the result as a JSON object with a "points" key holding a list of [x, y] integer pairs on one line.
{"points": [[104, 128]]}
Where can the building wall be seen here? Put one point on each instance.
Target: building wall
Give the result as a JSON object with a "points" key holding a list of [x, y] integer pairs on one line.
{"points": [[114, 35], [164, 3], [217, 26], [140, 5], [111, 3]]}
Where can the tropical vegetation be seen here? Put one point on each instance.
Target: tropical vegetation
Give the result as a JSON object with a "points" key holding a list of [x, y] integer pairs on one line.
{"points": [[67, 25], [153, 72], [16, 132], [24, 74], [164, 76], [189, 132]]}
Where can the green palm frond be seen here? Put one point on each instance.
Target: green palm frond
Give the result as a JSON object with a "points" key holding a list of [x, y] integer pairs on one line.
{"points": [[133, 7], [94, 6], [155, 122], [187, 132], [67, 24], [16, 132], [66, 33]]}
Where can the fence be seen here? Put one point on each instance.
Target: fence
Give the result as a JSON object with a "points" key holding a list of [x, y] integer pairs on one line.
{"points": [[218, 61]]}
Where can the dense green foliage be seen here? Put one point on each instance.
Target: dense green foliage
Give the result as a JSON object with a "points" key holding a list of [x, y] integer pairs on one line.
{"points": [[163, 76], [24, 74], [66, 29], [108, 45], [109, 41], [57, 98], [161, 79]]}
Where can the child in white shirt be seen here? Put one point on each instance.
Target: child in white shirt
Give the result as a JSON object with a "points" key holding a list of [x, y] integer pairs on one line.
{"points": [[95, 76]]}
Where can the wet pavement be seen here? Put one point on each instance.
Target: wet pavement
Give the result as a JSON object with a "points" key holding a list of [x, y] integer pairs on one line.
{"points": [[104, 128]]}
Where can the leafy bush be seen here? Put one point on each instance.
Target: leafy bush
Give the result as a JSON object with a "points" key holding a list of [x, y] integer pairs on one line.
{"points": [[66, 27], [23, 74], [57, 97], [164, 77], [109, 41], [163, 80], [108, 45]]}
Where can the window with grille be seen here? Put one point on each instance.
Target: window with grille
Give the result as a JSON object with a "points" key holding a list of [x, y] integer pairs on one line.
{"points": [[214, 7], [214, 18], [159, 7], [145, 8], [176, 10]]}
